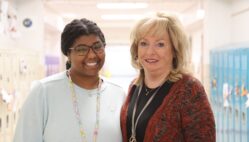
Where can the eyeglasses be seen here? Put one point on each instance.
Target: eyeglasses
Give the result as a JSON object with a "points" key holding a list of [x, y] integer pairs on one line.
{"points": [[83, 50]]}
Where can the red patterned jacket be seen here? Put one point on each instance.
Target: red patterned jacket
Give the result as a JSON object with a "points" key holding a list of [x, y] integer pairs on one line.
{"points": [[185, 115]]}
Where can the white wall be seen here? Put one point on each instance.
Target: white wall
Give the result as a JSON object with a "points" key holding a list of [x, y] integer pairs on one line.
{"points": [[240, 22], [30, 37], [226, 22], [118, 67], [217, 25], [196, 38]]}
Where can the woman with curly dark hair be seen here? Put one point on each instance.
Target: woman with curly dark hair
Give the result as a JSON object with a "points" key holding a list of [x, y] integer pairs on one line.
{"points": [[76, 105]]}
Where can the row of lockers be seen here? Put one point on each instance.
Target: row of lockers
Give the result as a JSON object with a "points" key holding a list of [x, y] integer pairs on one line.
{"points": [[229, 73]]}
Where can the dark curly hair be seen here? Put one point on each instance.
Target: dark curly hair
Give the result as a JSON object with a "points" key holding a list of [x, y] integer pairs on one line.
{"points": [[77, 28]]}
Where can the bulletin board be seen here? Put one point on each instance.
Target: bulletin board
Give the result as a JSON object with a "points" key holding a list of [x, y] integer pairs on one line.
{"points": [[18, 68]]}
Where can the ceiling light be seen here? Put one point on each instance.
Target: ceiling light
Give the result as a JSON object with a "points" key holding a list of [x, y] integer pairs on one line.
{"points": [[121, 16], [122, 5], [69, 15], [200, 14]]}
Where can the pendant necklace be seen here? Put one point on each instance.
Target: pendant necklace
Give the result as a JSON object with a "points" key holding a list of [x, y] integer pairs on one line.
{"points": [[77, 112], [133, 121], [148, 90]]}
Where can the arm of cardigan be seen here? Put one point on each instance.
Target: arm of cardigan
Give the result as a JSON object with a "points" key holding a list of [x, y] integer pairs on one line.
{"points": [[197, 117]]}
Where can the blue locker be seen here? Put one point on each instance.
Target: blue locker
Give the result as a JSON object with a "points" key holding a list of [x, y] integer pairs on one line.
{"points": [[247, 101], [237, 85], [215, 79], [215, 92], [231, 96], [220, 97], [243, 93], [213, 76], [225, 93], [212, 68], [229, 74]]}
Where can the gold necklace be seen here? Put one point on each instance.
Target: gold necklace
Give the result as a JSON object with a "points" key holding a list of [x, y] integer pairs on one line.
{"points": [[133, 121]]}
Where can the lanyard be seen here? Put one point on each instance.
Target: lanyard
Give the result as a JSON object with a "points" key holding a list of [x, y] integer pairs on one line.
{"points": [[133, 121], [77, 112]]}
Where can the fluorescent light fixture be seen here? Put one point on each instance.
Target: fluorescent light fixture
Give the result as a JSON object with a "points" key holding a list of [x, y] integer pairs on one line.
{"points": [[69, 15], [200, 14], [121, 16], [122, 5]]}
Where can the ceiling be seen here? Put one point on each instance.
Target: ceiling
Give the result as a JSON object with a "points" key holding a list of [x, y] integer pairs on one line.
{"points": [[116, 31]]}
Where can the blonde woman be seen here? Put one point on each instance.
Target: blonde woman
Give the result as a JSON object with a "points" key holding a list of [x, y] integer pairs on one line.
{"points": [[165, 103]]}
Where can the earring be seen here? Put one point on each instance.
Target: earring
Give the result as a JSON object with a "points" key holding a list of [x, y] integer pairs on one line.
{"points": [[68, 64]]}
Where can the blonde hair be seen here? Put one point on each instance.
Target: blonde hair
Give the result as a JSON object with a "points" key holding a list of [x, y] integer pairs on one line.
{"points": [[157, 25]]}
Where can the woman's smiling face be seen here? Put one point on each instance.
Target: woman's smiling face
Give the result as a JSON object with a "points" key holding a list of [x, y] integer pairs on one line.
{"points": [[155, 53], [91, 63]]}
